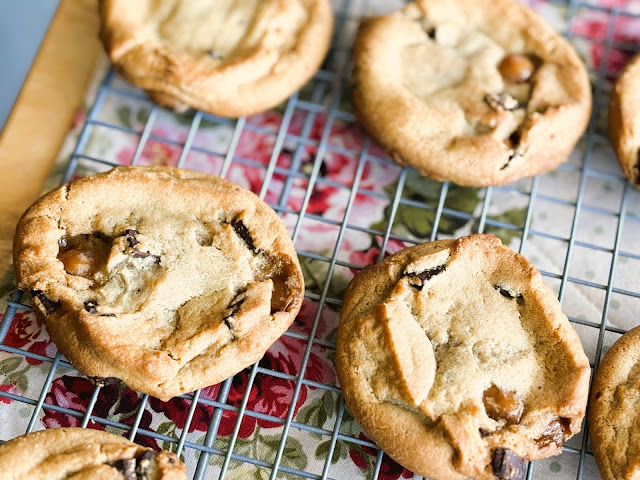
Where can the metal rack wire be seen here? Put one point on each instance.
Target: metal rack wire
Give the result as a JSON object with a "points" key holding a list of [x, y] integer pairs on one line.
{"points": [[328, 91]]}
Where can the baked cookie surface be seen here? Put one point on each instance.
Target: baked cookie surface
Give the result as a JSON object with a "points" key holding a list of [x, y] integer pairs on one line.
{"points": [[624, 121], [457, 348], [84, 454], [167, 279], [478, 92], [614, 410], [229, 57]]}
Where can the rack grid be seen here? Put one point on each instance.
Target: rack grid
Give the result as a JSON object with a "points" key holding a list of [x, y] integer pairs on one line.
{"points": [[291, 177]]}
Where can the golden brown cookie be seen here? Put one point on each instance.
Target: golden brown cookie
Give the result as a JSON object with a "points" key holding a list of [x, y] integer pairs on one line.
{"points": [[457, 361], [614, 411], [83, 454], [624, 121], [168, 279], [228, 58], [479, 92]]}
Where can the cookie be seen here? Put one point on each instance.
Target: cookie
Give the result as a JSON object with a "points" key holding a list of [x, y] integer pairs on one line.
{"points": [[167, 279], [478, 92], [228, 58], [457, 348], [614, 410], [83, 454], [624, 121]]}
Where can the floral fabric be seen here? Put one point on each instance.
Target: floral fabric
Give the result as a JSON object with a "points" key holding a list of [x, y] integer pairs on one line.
{"points": [[358, 187]]}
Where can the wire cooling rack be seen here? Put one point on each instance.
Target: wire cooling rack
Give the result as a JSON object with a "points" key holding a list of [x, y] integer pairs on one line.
{"points": [[220, 456]]}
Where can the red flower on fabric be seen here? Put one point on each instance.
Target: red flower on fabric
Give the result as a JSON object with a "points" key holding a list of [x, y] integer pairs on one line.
{"points": [[114, 400], [269, 395], [370, 256], [364, 457], [9, 388], [28, 333], [593, 25]]}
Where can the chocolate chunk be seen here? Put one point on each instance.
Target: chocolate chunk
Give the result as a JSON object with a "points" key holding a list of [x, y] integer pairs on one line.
{"points": [[484, 433], [432, 33], [243, 232], [127, 467], [130, 237], [49, 305], [90, 306], [501, 101], [507, 465], [144, 463], [138, 254], [417, 279]]}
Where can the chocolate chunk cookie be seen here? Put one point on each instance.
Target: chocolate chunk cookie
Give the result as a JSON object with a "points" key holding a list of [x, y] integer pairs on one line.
{"points": [[83, 454], [229, 58], [479, 92], [624, 121], [456, 359], [614, 415], [168, 279]]}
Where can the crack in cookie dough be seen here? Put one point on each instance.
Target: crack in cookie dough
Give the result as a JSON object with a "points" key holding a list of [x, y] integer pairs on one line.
{"points": [[167, 291], [476, 92], [84, 454], [478, 365], [227, 57]]}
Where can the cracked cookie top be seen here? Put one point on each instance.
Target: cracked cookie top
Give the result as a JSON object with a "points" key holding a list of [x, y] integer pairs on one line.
{"points": [[624, 121], [458, 348], [226, 57], [614, 415], [479, 92], [83, 454], [168, 279]]}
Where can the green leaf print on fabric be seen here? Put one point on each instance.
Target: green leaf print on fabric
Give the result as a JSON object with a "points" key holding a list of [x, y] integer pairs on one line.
{"points": [[417, 221], [514, 217], [124, 115], [315, 274], [319, 411]]}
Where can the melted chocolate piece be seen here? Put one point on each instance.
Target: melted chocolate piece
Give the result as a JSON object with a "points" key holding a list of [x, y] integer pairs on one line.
{"points": [[142, 470], [90, 306], [507, 465], [484, 433], [432, 33], [102, 381], [417, 279], [127, 467], [49, 305], [130, 237], [232, 310], [243, 232]]}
